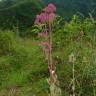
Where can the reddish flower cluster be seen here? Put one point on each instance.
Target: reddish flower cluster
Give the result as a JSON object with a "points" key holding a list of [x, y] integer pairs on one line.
{"points": [[43, 34], [47, 45], [50, 9], [47, 15], [47, 18]]}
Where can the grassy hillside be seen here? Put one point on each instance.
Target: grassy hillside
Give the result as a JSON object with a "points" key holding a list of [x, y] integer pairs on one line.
{"points": [[23, 68]]}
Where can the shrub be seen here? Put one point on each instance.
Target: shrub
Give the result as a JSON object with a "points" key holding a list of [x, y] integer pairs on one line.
{"points": [[7, 42]]}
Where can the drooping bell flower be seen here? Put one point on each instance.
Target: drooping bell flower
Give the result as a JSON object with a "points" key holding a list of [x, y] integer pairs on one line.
{"points": [[43, 34], [43, 18], [46, 44], [50, 8], [37, 20], [51, 18]]}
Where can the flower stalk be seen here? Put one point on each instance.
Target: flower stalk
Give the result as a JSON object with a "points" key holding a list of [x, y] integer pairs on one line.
{"points": [[47, 17]]}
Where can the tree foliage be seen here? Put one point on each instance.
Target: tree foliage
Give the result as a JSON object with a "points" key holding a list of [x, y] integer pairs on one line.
{"points": [[67, 8], [17, 13]]}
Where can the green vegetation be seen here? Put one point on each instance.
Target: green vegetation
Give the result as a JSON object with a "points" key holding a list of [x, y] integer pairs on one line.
{"points": [[17, 13], [23, 66], [23, 72]]}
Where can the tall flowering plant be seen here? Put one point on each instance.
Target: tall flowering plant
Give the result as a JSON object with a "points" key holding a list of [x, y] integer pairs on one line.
{"points": [[46, 20]]}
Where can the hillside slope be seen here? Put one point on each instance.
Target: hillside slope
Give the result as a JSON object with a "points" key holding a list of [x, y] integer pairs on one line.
{"points": [[24, 69], [17, 13]]}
